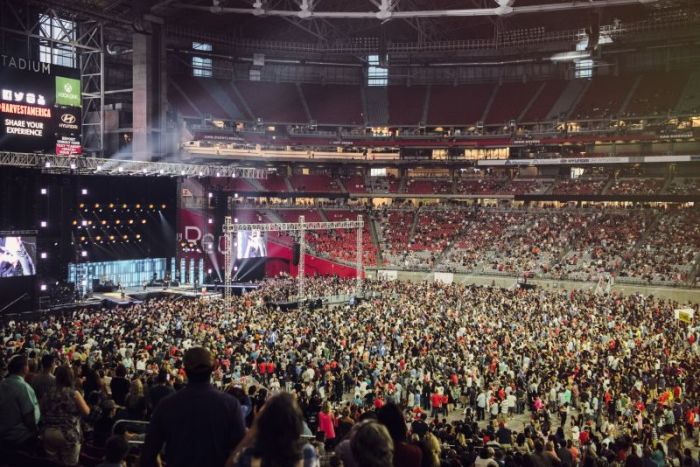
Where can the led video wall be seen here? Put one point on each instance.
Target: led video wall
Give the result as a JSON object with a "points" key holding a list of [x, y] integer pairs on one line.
{"points": [[40, 107]]}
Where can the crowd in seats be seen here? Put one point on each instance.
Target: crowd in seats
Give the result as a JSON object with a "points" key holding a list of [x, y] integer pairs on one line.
{"points": [[478, 186], [668, 252], [579, 186], [334, 103], [600, 244], [684, 186], [519, 187], [636, 186], [604, 97], [273, 102], [274, 183], [657, 94], [315, 183], [395, 229], [429, 186], [464, 104], [341, 244]]}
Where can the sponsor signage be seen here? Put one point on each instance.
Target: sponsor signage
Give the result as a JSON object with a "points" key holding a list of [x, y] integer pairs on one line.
{"points": [[67, 91], [584, 161], [39, 107]]}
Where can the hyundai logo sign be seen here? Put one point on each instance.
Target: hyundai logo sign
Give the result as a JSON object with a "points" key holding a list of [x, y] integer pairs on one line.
{"points": [[68, 119]]}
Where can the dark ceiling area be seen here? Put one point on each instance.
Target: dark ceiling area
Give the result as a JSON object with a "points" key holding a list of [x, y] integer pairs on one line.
{"points": [[212, 16]]}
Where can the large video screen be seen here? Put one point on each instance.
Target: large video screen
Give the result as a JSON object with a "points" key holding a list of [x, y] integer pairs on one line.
{"points": [[251, 244], [17, 256], [40, 107]]}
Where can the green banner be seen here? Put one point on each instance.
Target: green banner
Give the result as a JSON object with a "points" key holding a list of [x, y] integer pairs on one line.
{"points": [[67, 91]]}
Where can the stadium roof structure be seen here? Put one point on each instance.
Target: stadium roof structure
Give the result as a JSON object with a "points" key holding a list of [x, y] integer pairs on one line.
{"points": [[395, 20]]}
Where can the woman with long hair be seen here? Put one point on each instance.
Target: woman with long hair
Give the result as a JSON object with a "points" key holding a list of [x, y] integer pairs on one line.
{"points": [[135, 401], [61, 409], [275, 438]]}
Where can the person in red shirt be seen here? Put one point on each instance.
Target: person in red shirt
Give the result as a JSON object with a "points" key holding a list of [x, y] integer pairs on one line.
{"points": [[436, 404]]}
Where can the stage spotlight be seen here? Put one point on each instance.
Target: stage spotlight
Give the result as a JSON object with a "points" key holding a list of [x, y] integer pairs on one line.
{"points": [[143, 221], [218, 174], [75, 222], [211, 221], [42, 287], [103, 222], [44, 191], [211, 195], [97, 205], [124, 206], [72, 165], [150, 206], [111, 205], [83, 191], [125, 237], [111, 237], [47, 165], [83, 254], [235, 268], [44, 255], [235, 219], [131, 221], [235, 195], [117, 222], [83, 223], [43, 223], [138, 206], [82, 205], [99, 167], [98, 238], [138, 235], [82, 239], [162, 206], [121, 169]]}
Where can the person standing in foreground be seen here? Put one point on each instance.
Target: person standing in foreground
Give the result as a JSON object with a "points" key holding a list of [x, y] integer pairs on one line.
{"points": [[199, 425], [19, 409]]}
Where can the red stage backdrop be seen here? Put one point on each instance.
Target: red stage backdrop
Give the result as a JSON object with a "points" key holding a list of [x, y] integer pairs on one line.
{"points": [[194, 228]]}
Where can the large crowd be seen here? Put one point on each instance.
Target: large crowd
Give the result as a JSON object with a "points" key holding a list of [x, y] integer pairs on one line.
{"points": [[417, 374]]}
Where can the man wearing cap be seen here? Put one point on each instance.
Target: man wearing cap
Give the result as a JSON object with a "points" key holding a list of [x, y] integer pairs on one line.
{"points": [[199, 425]]}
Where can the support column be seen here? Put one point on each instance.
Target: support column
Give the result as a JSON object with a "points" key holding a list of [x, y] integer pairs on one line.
{"points": [[359, 257], [302, 254], [149, 91], [228, 260]]}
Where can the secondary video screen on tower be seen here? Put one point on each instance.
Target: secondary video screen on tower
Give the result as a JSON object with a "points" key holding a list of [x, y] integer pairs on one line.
{"points": [[251, 244], [17, 256]]}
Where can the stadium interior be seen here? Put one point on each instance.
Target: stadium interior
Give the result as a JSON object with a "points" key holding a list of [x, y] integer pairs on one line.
{"points": [[375, 232]]}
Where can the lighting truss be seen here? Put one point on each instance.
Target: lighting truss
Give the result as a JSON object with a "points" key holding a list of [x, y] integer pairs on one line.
{"points": [[230, 229], [99, 166]]}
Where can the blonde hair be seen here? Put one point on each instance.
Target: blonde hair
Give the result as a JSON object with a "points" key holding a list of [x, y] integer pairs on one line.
{"points": [[433, 448]]}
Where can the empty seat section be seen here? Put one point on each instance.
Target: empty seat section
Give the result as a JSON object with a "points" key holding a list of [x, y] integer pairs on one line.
{"points": [[604, 97], [657, 93], [273, 102], [406, 104], [198, 94], [539, 109], [458, 105], [510, 101], [232, 184], [354, 184], [274, 183], [334, 103]]}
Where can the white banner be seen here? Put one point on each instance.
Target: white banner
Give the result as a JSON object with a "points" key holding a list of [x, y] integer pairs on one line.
{"points": [[387, 274], [586, 160], [444, 277]]}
